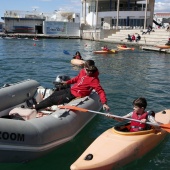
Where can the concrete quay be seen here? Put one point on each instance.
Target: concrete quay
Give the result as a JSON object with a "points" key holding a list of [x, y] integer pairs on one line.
{"points": [[147, 42], [39, 36]]}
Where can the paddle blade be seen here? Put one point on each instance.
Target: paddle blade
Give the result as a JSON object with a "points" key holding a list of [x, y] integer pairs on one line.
{"points": [[166, 127], [73, 108], [112, 50], [66, 52]]}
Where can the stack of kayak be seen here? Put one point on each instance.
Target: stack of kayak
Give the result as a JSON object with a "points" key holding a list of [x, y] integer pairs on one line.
{"points": [[117, 146]]}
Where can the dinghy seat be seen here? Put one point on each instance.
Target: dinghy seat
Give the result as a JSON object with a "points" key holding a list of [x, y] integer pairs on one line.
{"points": [[41, 94], [23, 113]]}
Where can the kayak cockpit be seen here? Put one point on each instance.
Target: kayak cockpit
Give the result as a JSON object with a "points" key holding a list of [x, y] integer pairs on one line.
{"points": [[125, 130]]}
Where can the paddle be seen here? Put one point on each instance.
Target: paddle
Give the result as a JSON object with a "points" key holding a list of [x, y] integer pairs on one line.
{"points": [[66, 52], [114, 51], [166, 127]]}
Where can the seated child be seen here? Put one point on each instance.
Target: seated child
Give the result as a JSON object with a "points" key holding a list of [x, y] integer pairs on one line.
{"points": [[105, 48], [139, 113]]}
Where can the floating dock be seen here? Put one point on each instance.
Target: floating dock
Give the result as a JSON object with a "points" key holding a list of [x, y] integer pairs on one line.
{"points": [[152, 48]]}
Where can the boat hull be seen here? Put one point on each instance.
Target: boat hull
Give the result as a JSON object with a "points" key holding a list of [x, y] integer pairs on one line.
{"points": [[163, 46], [77, 62], [24, 140], [120, 148]]}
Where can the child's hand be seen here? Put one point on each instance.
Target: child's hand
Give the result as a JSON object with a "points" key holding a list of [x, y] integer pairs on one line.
{"points": [[109, 115]]}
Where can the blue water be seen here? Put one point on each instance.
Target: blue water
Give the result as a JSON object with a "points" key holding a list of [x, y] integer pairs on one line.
{"points": [[124, 76]]}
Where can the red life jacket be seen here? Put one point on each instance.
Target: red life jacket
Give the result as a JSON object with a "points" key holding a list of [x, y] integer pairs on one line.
{"points": [[77, 57], [105, 49], [137, 126]]}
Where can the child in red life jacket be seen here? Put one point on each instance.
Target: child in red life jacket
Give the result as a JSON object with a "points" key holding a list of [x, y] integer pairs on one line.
{"points": [[77, 56], [105, 48], [139, 113]]}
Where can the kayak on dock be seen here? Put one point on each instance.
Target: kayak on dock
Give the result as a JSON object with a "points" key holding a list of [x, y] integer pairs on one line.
{"points": [[112, 51], [117, 146], [77, 62]]}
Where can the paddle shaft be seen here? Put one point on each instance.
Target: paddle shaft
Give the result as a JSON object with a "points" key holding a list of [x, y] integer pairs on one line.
{"points": [[101, 113], [122, 117], [166, 127]]}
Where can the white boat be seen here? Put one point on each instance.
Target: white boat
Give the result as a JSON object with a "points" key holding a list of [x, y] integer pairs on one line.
{"points": [[25, 134]]}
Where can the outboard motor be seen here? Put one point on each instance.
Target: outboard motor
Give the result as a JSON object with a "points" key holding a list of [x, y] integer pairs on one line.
{"points": [[58, 82]]}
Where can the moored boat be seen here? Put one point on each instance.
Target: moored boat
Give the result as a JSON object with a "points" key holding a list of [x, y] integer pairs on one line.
{"points": [[163, 46], [116, 147], [25, 134], [112, 51], [77, 62]]}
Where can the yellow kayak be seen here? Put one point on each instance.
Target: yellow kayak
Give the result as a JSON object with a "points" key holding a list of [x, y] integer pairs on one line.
{"points": [[112, 51], [116, 147]]}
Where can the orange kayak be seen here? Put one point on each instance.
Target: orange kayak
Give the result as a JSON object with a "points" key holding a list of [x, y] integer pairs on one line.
{"points": [[116, 147], [123, 48], [77, 62], [163, 46], [105, 52]]}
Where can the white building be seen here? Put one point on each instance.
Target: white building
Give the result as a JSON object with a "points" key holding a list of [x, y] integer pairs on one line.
{"points": [[117, 13], [162, 18], [56, 23]]}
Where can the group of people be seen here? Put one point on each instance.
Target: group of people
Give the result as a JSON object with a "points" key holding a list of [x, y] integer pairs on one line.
{"points": [[83, 84], [133, 38]]}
